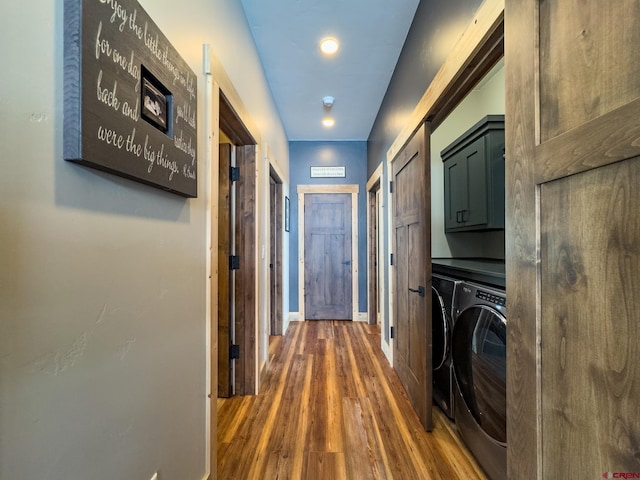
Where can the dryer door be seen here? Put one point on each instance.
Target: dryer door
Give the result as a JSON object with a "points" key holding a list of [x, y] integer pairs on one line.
{"points": [[480, 364], [440, 328]]}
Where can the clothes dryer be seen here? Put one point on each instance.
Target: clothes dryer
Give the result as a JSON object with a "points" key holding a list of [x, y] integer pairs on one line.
{"points": [[479, 357]]}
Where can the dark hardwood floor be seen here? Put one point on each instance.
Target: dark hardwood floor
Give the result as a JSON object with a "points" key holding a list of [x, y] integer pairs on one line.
{"points": [[331, 407]]}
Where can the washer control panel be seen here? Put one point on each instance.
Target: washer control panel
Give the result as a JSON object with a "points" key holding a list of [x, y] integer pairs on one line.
{"points": [[490, 297], [468, 294]]}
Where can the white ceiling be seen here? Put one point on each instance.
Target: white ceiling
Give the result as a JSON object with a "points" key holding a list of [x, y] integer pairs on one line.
{"points": [[371, 35]]}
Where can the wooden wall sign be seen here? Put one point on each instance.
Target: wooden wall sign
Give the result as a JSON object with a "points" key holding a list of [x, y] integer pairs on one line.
{"points": [[130, 100], [328, 172]]}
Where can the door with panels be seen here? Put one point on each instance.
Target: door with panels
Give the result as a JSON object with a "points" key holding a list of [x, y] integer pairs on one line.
{"points": [[412, 341], [573, 237], [327, 256]]}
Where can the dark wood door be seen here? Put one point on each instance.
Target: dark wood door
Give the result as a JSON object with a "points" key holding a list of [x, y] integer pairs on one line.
{"points": [[275, 256], [412, 272], [573, 237], [327, 256], [245, 299], [373, 256], [224, 274]]}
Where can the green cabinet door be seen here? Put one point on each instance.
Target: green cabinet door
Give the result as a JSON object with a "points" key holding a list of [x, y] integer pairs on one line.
{"points": [[474, 178], [476, 212], [455, 190]]}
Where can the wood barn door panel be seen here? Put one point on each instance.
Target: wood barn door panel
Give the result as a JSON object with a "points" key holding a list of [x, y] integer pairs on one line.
{"points": [[582, 48], [590, 271], [573, 255]]}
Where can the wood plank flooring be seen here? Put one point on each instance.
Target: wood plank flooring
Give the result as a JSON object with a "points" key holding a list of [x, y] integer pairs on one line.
{"points": [[331, 407]]}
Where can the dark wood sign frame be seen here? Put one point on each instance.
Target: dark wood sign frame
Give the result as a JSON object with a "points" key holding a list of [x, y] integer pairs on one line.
{"points": [[130, 100]]}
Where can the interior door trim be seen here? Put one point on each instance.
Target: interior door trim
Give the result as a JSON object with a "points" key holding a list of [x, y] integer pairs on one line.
{"points": [[219, 94], [373, 188], [308, 189]]}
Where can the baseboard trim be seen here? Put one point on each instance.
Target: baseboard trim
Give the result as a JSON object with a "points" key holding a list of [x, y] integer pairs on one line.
{"points": [[363, 317], [294, 316]]}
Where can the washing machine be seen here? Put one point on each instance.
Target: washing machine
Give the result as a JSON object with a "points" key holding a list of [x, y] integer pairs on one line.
{"points": [[479, 355], [443, 293]]}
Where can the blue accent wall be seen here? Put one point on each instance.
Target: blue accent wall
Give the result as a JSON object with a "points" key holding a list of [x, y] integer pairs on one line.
{"points": [[353, 156], [435, 29]]}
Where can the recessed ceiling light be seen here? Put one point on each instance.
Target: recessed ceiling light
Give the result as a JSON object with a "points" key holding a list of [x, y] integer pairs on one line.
{"points": [[329, 46], [328, 122]]}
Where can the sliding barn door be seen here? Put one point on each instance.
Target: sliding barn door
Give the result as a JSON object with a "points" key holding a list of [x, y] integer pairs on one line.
{"points": [[573, 238]]}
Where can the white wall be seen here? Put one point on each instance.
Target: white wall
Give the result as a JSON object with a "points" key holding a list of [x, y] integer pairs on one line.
{"points": [[486, 99], [103, 280], [222, 24]]}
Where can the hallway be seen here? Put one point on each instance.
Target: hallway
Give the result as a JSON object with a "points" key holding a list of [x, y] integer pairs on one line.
{"points": [[331, 407]]}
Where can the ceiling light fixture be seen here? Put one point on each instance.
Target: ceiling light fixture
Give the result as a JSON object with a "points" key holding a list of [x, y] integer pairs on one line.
{"points": [[328, 122], [327, 101], [329, 46]]}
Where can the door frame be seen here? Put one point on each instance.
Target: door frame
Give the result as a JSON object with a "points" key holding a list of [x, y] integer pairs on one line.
{"points": [[244, 245], [218, 86], [374, 259], [276, 232], [308, 189]]}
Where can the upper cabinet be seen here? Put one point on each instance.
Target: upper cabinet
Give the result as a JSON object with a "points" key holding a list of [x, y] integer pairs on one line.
{"points": [[474, 178]]}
